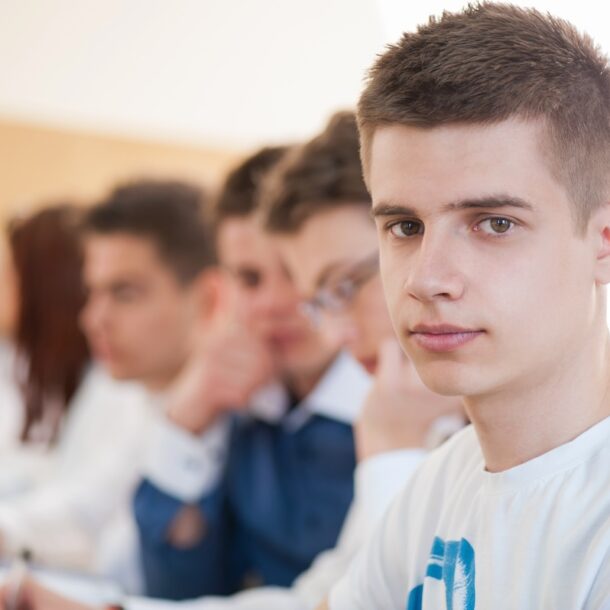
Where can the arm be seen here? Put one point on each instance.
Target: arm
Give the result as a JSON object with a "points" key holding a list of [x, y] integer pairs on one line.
{"points": [[378, 576], [96, 468], [179, 507], [179, 513], [34, 596]]}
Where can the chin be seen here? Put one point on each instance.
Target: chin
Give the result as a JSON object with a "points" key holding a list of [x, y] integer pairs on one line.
{"points": [[300, 364], [117, 371], [446, 380]]}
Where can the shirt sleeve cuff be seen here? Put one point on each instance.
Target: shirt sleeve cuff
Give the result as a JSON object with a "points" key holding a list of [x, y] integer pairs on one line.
{"points": [[183, 465], [379, 479], [13, 536]]}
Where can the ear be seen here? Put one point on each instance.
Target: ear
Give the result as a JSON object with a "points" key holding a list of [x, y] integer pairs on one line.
{"points": [[600, 225], [208, 290]]}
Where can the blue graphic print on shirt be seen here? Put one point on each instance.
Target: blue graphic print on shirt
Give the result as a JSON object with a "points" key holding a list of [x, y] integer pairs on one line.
{"points": [[451, 562]]}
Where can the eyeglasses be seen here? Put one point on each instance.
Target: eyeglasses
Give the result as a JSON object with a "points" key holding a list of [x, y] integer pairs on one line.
{"points": [[339, 293]]}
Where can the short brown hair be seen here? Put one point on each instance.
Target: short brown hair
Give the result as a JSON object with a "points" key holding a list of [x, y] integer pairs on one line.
{"points": [[169, 213], [323, 173], [239, 194], [492, 62]]}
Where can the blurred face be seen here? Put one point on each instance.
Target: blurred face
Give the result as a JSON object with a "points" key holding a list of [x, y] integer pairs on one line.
{"points": [[138, 317], [9, 294], [267, 300], [333, 260], [488, 285]]}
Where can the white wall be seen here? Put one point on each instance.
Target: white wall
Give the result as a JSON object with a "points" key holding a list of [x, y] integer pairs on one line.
{"points": [[227, 72]]}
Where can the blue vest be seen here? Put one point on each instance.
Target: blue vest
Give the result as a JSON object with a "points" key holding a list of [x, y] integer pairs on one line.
{"points": [[282, 501]]}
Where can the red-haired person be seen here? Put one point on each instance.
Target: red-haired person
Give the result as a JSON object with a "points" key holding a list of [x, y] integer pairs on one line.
{"points": [[69, 432]]}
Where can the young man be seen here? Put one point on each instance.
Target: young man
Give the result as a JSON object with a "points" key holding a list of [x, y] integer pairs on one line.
{"points": [[485, 144], [150, 271]]}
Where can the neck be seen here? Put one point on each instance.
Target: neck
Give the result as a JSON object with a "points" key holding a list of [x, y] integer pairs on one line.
{"points": [[162, 380], [517, 424], [301, 383]]}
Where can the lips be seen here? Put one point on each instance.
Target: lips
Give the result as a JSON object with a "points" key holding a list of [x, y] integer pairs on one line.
{"points": [[369, 364], [286, 338], [102, 350], [443, 337], [102, 353]]}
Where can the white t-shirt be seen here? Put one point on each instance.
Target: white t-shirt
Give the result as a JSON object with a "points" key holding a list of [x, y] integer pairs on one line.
{"points": [[534, 537]]}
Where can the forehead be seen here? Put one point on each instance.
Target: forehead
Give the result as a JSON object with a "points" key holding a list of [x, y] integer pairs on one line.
{"points": [[343, 231], [330, 239], [242, 241], [439, 166], [121, 254]]}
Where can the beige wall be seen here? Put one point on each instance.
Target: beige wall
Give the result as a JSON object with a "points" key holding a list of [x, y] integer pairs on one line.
{"points": [[40, 164]]}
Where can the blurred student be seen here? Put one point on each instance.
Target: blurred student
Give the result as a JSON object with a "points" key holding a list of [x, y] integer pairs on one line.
{"points": [[213, 521], [60, 412], [322, 224], [151, 281]]}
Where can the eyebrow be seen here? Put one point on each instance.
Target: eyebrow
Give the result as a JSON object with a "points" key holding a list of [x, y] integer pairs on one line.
{"points": [[490, 202], [327, 271], [121, 285]]}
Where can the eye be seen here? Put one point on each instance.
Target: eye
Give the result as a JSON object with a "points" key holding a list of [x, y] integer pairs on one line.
{"points": [[406, 228], [126, 294], [249, 278], [344, 290], [496, 225]]}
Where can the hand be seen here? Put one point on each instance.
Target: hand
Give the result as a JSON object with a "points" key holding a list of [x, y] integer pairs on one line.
{"points": [[34, 596], [399, 409], [227, 366]]}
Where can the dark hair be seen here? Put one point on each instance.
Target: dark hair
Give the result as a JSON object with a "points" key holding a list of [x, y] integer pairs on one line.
{"points": [[239, 194], [323, 173], [169, 213], [492, 62], [48, 264]]}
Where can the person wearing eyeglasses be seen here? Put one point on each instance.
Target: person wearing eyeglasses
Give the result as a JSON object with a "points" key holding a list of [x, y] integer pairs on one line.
{"points": [[330, 248]]}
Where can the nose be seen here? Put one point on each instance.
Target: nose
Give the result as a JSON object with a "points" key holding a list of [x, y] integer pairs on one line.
{"points": [[93, 315], [434, 271], [280, 298]]}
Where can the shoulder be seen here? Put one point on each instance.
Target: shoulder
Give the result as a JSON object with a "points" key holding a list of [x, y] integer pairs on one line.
{"points": [[452, 466], [97, 382], [459, 453]]}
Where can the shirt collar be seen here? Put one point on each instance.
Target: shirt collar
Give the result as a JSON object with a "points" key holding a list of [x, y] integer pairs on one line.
{"points": [[339, 395]]}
